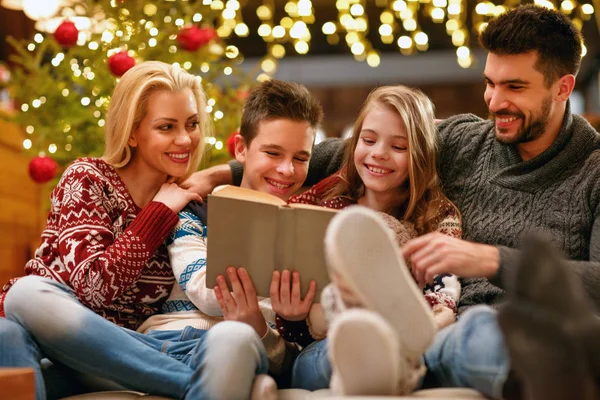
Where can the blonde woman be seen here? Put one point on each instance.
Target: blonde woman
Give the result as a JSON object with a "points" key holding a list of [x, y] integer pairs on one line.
{"points": [[390, 167], [102, 267]]}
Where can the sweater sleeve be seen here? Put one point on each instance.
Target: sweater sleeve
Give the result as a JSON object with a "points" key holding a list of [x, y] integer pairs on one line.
{"points": [[326, 159], [101, 266], [588, 271], [187, 252]]}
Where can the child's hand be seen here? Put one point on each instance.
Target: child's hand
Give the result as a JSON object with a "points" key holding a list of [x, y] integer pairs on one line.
{"points": [[288, 302], [175, 197], [243, 305]]}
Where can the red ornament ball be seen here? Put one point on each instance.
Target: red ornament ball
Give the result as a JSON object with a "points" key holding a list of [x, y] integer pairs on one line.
{"points": [[231, 144], [120, 62], [242, 94], [192, 37], [42, 169], [66, 34]]}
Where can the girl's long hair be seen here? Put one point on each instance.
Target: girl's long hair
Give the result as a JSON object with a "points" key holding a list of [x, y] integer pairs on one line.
{"points": [[420, 199]]}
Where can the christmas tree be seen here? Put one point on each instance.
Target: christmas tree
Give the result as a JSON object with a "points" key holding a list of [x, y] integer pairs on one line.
{"points": [[63, 80]]}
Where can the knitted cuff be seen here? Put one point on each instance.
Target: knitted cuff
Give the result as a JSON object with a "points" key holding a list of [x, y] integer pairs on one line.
{"points": [[237, 172], [294, 331], [509, 259], [153, 224]]}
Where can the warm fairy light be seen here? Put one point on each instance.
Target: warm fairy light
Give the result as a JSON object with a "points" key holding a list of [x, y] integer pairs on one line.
{"points": [[373, 59], [285, 26]]}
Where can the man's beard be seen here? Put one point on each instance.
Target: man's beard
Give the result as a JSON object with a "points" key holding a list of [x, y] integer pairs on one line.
{"points": [[528, 133]]}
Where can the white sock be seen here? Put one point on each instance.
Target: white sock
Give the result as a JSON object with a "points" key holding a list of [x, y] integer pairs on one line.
{"points": [[364, 352]]}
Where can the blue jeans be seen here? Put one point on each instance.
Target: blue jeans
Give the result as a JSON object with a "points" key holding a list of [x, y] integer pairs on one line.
{"points": [[469, 353], [312, 369], [193, 364]]}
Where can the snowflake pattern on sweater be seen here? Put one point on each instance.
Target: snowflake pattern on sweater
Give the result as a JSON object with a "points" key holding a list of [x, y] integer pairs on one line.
{"points": [[104, 247]]}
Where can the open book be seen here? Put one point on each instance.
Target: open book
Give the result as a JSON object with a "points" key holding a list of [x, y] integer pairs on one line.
{"points": [[262, 233]]}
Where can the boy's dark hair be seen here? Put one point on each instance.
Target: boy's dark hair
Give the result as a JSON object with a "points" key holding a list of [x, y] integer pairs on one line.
{"points": [[531, 28], [275, 99]]}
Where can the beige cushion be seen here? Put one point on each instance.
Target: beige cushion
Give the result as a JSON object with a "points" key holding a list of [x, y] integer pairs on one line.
{"points": [[299, 394], [115, 395], [449, 393]]}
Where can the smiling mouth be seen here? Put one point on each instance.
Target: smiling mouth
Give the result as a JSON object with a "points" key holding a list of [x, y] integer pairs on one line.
{"points": [[179, 157], [281, 186], [378, 170], [506, 120]]}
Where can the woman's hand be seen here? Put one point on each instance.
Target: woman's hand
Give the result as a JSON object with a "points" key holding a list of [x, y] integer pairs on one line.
{"points": [[286, 297], [203, 182], [242, 303], [175, 197]]}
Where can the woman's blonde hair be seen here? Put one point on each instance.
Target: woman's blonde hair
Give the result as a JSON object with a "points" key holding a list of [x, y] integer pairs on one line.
{"points": [[420, 199], [129, 105]]}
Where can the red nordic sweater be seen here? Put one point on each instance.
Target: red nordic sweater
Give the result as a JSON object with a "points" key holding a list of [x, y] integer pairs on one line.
{"points": [[108, 250]]}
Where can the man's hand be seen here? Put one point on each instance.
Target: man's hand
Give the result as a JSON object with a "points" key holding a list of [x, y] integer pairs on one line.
{"points": [[286, 299], [243, 304], [203, 182], [435, 253]]}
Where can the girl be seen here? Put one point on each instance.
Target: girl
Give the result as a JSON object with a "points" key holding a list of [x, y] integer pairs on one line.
{"points": [[102, 257], [389, 167]]}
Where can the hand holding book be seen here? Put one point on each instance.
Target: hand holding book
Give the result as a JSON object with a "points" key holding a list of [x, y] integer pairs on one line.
{"points": [[264, 234], [241, 304], [286, 298]]}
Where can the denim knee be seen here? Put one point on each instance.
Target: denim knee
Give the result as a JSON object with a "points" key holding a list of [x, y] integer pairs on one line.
{"points": [[27, 293], [470, 353], [312, 369], [232, 334], [34, 302]]}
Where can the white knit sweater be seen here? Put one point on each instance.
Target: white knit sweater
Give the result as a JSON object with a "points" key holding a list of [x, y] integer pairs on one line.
{"points": [[191, 303]]}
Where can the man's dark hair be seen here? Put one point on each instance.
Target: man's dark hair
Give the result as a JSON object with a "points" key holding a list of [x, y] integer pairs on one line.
{"points": [[531, 28], [274, 99]]}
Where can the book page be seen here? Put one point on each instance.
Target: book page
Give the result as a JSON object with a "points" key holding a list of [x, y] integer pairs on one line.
{"points": [[311, 207], [303, 240], [241, 234], [262, 237], [235, 192]]}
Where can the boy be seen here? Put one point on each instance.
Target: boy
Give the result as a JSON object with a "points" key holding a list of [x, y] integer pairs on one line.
{"points": [[277, 132]]}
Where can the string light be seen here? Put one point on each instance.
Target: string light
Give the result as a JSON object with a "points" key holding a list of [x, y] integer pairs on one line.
{"points": [[287, 27]]}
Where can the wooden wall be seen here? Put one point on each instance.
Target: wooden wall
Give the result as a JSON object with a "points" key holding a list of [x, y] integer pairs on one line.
{"points": [[21, 208]]}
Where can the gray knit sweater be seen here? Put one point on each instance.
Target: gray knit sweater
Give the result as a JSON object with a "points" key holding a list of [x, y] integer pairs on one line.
{"points": [[502, 198]]}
